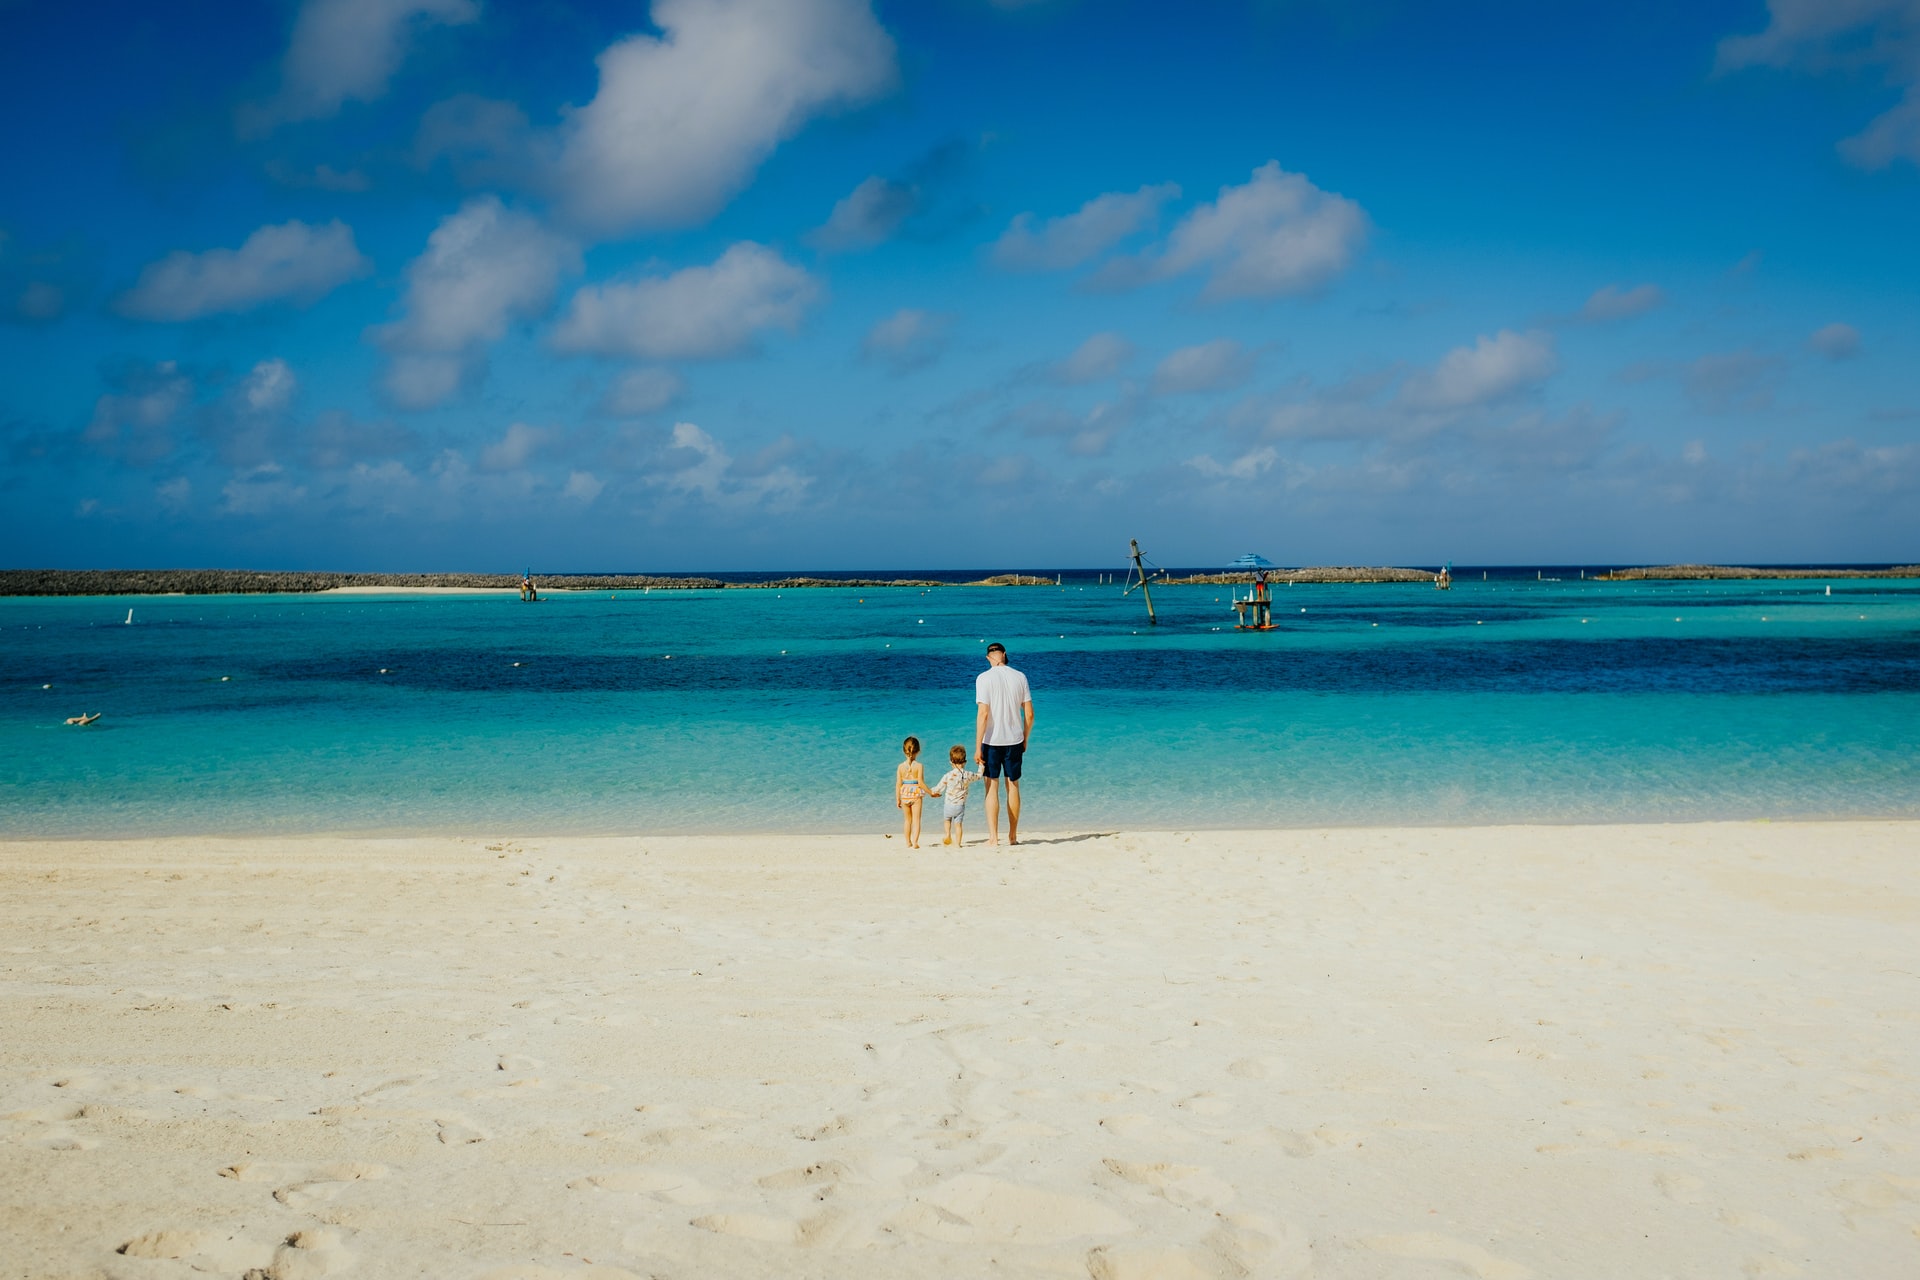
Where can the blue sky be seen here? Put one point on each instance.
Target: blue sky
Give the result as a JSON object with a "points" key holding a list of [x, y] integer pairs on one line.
{"points": [[721, 284]]}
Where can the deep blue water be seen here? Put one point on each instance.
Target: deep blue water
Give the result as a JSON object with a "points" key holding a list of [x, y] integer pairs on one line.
{"points": [[1506, 700]]}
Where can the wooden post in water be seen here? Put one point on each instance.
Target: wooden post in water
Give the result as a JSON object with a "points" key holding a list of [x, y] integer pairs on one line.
{"points": [[1145, 591]]}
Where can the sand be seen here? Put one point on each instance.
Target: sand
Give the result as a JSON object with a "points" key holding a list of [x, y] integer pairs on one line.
{"points": [[1495, 1053]]}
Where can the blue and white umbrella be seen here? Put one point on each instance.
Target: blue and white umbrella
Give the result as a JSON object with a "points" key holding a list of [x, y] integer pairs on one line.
{"points": [[1252, 561]]}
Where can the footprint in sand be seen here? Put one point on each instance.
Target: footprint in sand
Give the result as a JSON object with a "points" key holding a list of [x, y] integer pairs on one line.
{"points": [[1240, 1245], [534, 1271], [997, 1211], [1182, 1184], [1469, 1257], [662, 1184], [1683, 1188], [307, 1255], [213, 1251]]}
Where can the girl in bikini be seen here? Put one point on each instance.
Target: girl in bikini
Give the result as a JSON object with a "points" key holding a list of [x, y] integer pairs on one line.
{"points": [[910, 790]]}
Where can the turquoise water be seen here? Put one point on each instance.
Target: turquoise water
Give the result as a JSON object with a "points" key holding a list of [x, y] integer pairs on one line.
{"points": [[1507, 700]]}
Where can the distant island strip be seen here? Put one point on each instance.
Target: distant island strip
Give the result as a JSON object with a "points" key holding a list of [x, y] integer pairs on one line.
{"points": [[155, 582], [1705, 572]]}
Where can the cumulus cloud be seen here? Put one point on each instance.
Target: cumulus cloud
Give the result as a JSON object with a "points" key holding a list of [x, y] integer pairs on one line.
{"points": [[1273, 235], [345, 50], [337, 439], [682, 120], [582, 487], [292, 261], [513, 449], [866, 216], [701, 467], [1725, 380], [1491, 369], [1611, 302], [484, 266], [1825, 35], [1211, 366], [1101, 356], [694, 314], [132, 422], [642, 391], [245, 425], [1097, 226], [259, 490], [906, 340], [1248, 466], [1835, 341]]}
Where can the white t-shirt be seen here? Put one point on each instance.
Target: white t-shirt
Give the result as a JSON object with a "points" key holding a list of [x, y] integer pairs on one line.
{"points": [[1005, 692]]}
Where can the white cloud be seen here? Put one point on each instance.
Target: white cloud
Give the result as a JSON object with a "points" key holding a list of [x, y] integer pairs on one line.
{"points": [[1724, 380], [1247, 466], [345, 50], [1275, 234], [1826, 35], [1068, 241], [1835, 341], [1101, 356], [484, 266], [1611, 302], [643, 391], [683, 119], [511, 451], [269, 387], [1489, 370], [906, 340], [583, 487], [258, 490], [866, 216], [707, 471], [247, 423], [291, 261], [386, 486], [132, 421], [175, 494], [1210, 366], [695, 313]]}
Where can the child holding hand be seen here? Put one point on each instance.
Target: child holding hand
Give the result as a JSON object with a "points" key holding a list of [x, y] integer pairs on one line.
{"points": [[910, 790], [952, 788]]}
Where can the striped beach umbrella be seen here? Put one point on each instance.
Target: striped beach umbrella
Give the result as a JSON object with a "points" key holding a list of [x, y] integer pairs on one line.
{"points": [[1252, 561]]}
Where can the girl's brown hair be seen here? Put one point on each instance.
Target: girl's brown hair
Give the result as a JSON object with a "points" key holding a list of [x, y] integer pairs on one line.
{"points": [[911, 746], [958, 755]]}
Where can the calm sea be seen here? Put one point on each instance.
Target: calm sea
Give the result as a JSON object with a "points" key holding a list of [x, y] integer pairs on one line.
{"points": [[1513, 699]]}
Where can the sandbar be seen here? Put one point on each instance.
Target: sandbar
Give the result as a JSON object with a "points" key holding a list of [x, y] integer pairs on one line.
{"points": [[1502, 1053]]}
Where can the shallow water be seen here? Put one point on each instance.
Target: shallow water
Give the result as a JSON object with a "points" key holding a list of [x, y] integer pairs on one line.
{"points": [[1500, 701]]}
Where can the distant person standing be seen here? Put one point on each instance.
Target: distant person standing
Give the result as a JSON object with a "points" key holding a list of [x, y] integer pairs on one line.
{"points": [[1000, 735]]}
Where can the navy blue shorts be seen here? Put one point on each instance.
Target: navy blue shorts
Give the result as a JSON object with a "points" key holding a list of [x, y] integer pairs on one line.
{"points": [[1003, 758]]}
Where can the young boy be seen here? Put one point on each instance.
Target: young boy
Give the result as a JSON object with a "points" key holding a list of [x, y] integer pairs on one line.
{"points": [[953, 788]]}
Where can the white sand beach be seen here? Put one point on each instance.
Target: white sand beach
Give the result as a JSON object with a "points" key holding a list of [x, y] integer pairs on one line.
{"points": [[1498, 1053]]}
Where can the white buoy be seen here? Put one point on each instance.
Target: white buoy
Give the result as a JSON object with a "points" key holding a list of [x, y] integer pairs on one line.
{"points": [[1829, 590]]}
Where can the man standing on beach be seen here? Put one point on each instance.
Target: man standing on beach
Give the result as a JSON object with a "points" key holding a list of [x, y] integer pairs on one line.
{"points": [[1000, 734]]}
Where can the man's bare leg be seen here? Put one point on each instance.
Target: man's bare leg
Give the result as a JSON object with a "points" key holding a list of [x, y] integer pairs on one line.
{"points": [[1013, 812], [993, 813]]}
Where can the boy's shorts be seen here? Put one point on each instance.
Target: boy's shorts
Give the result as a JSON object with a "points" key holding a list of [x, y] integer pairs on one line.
{"points": [[1007, 757]]}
